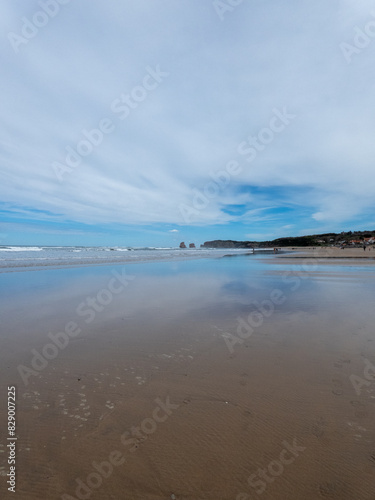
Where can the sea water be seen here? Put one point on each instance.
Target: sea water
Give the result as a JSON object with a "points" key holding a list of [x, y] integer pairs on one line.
{"points": [[15, 257]]}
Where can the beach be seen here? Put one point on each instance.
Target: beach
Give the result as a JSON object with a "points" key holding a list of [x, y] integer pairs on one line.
{"points": [[187, 250], [330, 252], [191, 379]]}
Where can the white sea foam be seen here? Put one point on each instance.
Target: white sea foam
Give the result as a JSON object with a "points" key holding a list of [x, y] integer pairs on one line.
{"points": [[16, 257], [21, 249]]}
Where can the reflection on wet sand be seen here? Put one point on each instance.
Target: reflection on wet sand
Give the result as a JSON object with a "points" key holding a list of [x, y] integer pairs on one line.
{"points": [[148, 402]]}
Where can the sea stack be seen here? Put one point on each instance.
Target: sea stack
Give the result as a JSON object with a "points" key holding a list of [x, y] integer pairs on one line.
{"points": [[192, 245], [182, 244]]}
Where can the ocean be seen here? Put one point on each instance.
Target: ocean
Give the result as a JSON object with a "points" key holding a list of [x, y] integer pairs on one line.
{"points": [[20, 257]]}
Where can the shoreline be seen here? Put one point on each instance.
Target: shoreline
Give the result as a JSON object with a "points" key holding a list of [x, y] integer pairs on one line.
{"points": [[322, 253], [65, 264]]}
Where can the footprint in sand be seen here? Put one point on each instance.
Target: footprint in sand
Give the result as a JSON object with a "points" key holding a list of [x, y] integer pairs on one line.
{"points": [[341, 362], [360, 409], [329, 489], [243, 379], [361, 412], [337, 387], [317, 429]]}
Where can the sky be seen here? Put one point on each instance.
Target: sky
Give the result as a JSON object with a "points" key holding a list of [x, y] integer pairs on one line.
{"points": [[150, 122]]}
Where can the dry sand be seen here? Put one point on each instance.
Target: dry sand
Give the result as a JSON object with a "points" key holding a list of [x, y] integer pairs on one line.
{"points": [[329, 252]]}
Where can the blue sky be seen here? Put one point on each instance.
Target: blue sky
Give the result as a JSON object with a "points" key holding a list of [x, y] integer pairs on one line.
{"points": [[157, 121]]}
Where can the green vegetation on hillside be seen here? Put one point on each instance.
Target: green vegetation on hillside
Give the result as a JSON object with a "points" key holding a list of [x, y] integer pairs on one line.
{"points": [[350, 238]]}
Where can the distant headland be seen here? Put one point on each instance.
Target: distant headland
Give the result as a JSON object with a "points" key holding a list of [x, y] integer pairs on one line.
{"points": [[350, 238]]}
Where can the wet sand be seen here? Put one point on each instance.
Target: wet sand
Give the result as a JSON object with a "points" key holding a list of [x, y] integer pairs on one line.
{"points": [[153, 379]]}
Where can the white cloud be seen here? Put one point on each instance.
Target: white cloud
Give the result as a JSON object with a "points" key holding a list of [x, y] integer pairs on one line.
{"points": [[224, 80]]}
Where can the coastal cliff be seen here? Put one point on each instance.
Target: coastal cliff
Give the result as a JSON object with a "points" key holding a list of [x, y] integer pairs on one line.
{"points": [[229, 244], [356, 238]]}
